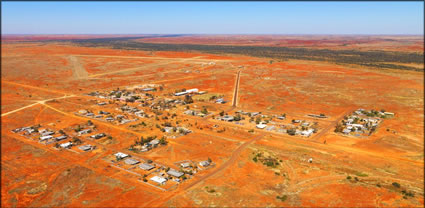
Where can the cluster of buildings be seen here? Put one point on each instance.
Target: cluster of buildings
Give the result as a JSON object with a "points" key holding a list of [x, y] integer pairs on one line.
{"points": [[159, 174], [362, 122], [60, 138]]}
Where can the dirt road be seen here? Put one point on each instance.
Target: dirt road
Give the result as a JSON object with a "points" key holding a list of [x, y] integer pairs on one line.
{"points": [[231, 160], [78, 71], [38, 102], [235, 93]]}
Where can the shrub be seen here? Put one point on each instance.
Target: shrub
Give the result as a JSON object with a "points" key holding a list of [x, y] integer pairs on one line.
{"points": [[349, 177], [282, 198], [395, 184]]}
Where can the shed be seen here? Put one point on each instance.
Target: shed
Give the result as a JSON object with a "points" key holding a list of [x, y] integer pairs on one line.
{"points": [[86, 147], [204, 163], [45, 137], [158, 179], [66, 145], [175, 173], [120, 155], [61, 137], [185, 165], [192, 90], [227, 118], [131, 161], [146, 166], [180, 93]]}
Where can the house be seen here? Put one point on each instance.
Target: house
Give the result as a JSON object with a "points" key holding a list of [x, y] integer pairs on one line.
{"points": [[220, 100], [102, 103], [261, 126], [29, 131], [98, 136], [270, 128], [306, 124], [46, 137], [110, 119], [192, 90], [131, 161], [189, 112], [227, 118], [85, 131], [307, 133], [168, 129], [202, 92], [358, 126], [185, 165], [86, 147], [82, 112], [90, 114], [120, 155], [66, 145], [175, 173], [61, 137], [281, 117], [346, 131], [255, 114], [204, 163], [98, 116], [47, 133], [148, 89], [154, 142], [146, 166], [388, 114], [180, 93], [159, 180], [176, 180], [296, 121]]}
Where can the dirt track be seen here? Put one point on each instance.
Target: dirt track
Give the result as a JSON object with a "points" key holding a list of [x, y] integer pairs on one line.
{"points": [[235, 93], [78, 70]]}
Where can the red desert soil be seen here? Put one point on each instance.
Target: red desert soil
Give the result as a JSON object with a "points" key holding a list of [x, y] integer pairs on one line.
{"points": [[47, 83]]}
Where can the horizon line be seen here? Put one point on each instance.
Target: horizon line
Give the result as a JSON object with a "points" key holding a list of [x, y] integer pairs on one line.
{"points": [[197, 34]]}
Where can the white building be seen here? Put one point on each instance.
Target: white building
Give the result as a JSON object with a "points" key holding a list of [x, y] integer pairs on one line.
{"points": [[261, 126], [45, 137], [192, 90], [159, 180], [66, 145], [120, 155], [307, 133]]}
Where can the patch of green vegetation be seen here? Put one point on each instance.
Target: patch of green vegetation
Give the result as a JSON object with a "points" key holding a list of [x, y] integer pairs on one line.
{"points": [[395, 184], [376, 59], [360, 174], [282, 198], [348, 177]]}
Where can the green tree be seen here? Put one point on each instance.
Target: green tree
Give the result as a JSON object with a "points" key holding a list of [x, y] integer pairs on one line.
{"points": [[258, 120], [204, 111]]}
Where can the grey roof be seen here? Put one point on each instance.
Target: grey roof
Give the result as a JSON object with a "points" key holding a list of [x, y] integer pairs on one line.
{"points": [[146, 166], [85, 147], [175, 173], [204, 163], [61, 137], [153, 142], [131, 161]]}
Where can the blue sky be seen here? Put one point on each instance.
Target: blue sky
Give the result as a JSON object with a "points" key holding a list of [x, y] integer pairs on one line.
{"points": [[212, 17]]}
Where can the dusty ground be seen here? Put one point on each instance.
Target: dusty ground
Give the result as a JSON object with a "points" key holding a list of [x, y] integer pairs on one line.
{"points": [[37, 79]]}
